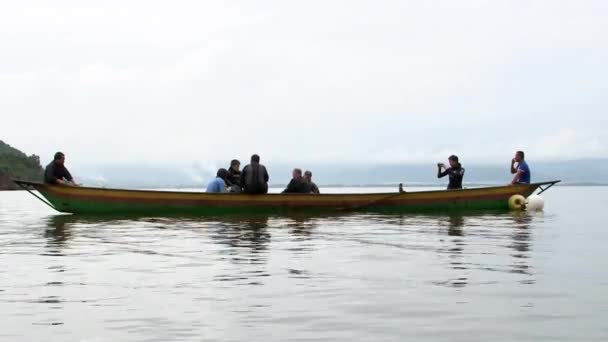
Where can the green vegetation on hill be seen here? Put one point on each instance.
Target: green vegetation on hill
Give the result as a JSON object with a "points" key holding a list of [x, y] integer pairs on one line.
{"points": [[16, 164]]}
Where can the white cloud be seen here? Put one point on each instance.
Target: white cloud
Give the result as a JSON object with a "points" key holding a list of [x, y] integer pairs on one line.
{"points": [[410, 81]]}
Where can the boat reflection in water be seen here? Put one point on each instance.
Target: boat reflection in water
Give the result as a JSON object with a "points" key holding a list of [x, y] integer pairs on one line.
{"points": [[58, 232], [469, 247]]}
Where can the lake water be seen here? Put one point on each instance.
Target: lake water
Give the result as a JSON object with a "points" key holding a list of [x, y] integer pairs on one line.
{"points": [[483, 277]]}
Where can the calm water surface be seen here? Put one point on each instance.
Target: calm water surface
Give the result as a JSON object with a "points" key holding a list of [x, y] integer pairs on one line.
{"points": [[500, 277]]}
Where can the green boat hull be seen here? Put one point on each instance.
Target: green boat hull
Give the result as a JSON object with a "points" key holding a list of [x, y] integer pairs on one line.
{"points": [[101, 201]]}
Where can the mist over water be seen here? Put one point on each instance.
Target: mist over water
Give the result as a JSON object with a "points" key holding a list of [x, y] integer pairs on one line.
{"points": [[505, 277]]}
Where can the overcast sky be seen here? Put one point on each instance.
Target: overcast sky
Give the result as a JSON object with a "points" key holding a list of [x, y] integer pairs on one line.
{"points": [[408, 81]]}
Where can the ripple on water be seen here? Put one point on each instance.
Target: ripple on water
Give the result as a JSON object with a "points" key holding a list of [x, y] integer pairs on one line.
{"points": [[300, 277]]}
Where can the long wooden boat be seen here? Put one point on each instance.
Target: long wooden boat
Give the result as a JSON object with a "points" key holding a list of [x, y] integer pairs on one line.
{"points": [[89, 200]]}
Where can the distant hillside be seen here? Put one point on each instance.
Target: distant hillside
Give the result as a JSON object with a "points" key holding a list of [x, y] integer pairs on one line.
{"points": [[346, 174], [16, 164]]}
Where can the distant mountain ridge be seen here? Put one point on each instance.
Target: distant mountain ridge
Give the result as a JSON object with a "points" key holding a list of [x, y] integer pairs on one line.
{"points": [[16, 164], [336, 174]]}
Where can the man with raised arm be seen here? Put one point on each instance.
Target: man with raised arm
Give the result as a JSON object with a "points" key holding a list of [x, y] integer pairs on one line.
{"points": [[522, 171]]}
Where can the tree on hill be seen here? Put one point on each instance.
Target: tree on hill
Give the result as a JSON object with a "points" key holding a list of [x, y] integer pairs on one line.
{"points": [[17, 165]]}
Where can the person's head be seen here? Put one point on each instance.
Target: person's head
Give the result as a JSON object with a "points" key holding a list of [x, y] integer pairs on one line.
{"points": [[308, 176], [519, 156], [453, 161], [59, 158], [255, 158], [297, 173], [235, 164], [222, 173]]}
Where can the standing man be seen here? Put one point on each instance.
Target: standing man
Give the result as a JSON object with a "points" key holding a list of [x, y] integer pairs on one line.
{"points": [[254, 178], [522, 171], [308, 179], [57, 173], [455, 171]]}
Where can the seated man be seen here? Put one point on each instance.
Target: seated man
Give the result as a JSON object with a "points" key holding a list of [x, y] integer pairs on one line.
{"points": [[57, 173], [218, 184], [522, 172], [234, 176], [308, 179], [254, 178], [455, 171], [297, 185]]}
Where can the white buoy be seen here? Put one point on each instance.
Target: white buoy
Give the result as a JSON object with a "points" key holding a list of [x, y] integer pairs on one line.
{"points": [[535, 203], [517, 202]]}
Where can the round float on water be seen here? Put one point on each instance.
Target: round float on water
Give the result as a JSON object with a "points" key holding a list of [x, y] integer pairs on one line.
{"points": [[535, 202], [517, 202]]}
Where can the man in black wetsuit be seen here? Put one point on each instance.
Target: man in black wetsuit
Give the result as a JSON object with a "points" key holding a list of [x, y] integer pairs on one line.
{"points": [[455, 171], [254, 178], [57, 173], [297, 185]]}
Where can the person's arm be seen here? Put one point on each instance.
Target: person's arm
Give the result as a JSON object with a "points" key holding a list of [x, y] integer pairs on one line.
{"points": [[228, 181], [68, 175], [442, 174], [290, 187], [513, 169], [71, 180], [243, 175], [54, 180], [266, 177], [518, 174], [49, 178]]}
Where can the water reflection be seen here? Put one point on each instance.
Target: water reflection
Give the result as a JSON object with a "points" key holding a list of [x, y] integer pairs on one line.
{"points": [[241, 231], [521, 234], [302, 226], [466, 247], [58, 229], [455, 250], [244, 241], [521, 241], [455, 224], [58, 233], [468, 243]]}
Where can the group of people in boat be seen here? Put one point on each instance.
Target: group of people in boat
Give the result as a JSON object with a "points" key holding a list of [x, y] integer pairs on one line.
{"points": [[253, 179]]}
